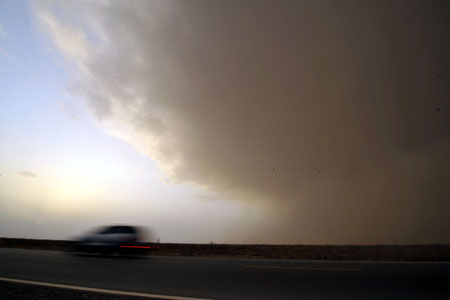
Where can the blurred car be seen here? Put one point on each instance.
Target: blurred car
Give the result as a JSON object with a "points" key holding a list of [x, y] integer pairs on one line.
{"points": [[122, 239]]}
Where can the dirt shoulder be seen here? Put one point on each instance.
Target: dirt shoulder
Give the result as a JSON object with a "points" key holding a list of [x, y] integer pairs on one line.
{"points": [[20, 291], [434, 252]]}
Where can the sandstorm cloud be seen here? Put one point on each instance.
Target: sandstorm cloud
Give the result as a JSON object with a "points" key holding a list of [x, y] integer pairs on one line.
{"points": [[333, 115]]}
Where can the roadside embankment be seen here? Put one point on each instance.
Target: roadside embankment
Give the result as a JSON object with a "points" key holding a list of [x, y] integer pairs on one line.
{"points": [[433, 252]]}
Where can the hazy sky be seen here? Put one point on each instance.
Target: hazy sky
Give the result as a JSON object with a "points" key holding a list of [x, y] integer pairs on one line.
{"points": [[227, 121]]}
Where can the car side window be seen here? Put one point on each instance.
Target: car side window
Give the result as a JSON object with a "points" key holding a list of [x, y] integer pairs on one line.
{"points": [[108, 230], [118, 229], [125, 229]]}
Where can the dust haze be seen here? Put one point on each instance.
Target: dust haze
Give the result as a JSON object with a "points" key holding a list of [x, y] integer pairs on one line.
{"points": [[331, 115]]}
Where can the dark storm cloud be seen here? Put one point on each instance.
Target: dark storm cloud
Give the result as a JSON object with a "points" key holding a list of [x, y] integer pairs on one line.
{"points": [[334, 114], [27, 174]]}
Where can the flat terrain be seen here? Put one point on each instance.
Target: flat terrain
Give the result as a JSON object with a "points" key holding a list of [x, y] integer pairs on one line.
{"points": [[435, 252], [232, 278]]}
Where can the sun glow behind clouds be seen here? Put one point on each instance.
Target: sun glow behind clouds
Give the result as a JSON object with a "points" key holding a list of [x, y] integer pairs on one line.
{"points": [[82, 183]]}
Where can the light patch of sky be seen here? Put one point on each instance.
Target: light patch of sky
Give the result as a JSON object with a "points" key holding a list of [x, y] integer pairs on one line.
{"points": [[84, 177], [3, 33]]}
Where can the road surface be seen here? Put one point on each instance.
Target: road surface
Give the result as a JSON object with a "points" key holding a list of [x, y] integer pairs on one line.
{"points": [[210, 278]]}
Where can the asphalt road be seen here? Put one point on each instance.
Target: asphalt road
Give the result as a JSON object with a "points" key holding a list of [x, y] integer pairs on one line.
{"points": [[232, 278]]}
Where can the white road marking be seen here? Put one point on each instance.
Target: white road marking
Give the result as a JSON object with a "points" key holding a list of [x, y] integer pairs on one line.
{"points": [[106, 291], [303, 268]]}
